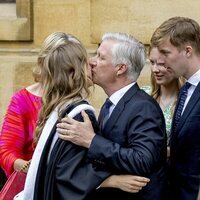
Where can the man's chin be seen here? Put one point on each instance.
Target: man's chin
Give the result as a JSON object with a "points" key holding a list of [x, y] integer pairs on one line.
{"points": [[93, 80]]}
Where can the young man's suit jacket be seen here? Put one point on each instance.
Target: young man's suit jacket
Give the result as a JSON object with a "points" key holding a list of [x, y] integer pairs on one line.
{"points": [[133, 142], [185, 151]]}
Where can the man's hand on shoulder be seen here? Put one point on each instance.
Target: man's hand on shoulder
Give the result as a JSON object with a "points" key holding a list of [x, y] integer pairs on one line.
{"points": [[79, 133]]}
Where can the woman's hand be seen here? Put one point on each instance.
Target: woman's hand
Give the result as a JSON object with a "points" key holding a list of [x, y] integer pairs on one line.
{"points": [[127, 183], [21, 165]]}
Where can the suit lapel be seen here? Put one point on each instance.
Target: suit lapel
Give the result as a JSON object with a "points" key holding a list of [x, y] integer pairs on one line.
{"points": [[120, 107], [191, 104]]}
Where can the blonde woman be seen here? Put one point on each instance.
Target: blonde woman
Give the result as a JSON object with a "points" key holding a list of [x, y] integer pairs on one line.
{"points": [[60, 169], [164, 88]]}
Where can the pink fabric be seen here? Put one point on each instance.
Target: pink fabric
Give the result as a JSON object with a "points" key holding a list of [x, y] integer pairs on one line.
{"points": [[16, 137]]}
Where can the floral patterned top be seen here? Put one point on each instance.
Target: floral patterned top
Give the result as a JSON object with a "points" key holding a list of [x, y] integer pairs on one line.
{"points": [[168, 113]]}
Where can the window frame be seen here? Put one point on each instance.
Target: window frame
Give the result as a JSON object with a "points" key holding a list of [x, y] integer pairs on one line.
{"points": [[18, 28]]}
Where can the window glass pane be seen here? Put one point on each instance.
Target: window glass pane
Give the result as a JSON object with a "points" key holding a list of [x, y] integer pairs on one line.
{"points": [[7, 1], [7, 9]]}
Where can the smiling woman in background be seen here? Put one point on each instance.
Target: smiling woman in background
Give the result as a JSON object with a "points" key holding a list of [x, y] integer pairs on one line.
{"points": [[164, 88]]}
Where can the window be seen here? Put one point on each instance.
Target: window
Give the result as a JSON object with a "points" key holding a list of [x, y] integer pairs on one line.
{"points": [[7, 8], [7, 1], [16, 20]]}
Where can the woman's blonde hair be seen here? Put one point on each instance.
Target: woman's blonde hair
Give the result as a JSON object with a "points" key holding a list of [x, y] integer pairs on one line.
{"points": [[62, 65]]}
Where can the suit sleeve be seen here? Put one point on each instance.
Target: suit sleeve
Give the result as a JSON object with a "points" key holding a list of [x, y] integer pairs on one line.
{"points": [[81, 177], [144, 129]]}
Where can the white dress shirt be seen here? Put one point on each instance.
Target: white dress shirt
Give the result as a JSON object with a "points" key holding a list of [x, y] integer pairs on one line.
{"points": [[115, 97], [193, 80]]}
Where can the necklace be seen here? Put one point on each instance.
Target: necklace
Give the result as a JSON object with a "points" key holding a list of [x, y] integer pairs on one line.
{"points": [[164, 103]]}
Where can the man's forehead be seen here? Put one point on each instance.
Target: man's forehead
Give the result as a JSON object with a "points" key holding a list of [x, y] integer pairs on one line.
{"points": [[164, 42], [105, 46]]}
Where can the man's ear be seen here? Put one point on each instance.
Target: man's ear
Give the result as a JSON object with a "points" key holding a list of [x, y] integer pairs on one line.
{"points": [[188, 51], [121, 69]]}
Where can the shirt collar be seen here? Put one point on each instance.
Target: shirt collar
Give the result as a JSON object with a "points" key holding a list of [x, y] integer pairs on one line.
{"points": [[115, 97], [195, 78]]}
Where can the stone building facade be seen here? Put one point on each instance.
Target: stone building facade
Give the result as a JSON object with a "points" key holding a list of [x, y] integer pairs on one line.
{"points": [[25, 23]]}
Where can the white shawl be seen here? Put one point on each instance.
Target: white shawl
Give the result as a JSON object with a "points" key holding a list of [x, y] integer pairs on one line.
{"points": [[28, 192]]}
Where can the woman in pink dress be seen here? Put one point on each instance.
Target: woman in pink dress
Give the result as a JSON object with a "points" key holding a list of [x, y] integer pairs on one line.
{"points": [[16, 137]]}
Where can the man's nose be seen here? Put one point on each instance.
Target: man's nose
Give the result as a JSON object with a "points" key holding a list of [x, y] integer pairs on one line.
{"points": [[92, 61]]}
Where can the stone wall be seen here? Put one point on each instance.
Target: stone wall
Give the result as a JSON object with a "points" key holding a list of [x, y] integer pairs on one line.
{"points": [[22, 32]]}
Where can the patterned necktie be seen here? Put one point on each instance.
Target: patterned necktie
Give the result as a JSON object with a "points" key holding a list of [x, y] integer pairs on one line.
{"points": [[182, 98], [104, 114]]}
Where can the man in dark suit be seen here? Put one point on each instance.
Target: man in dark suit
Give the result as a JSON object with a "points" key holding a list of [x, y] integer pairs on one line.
{"points": [[178, 40], [133, 140]]}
